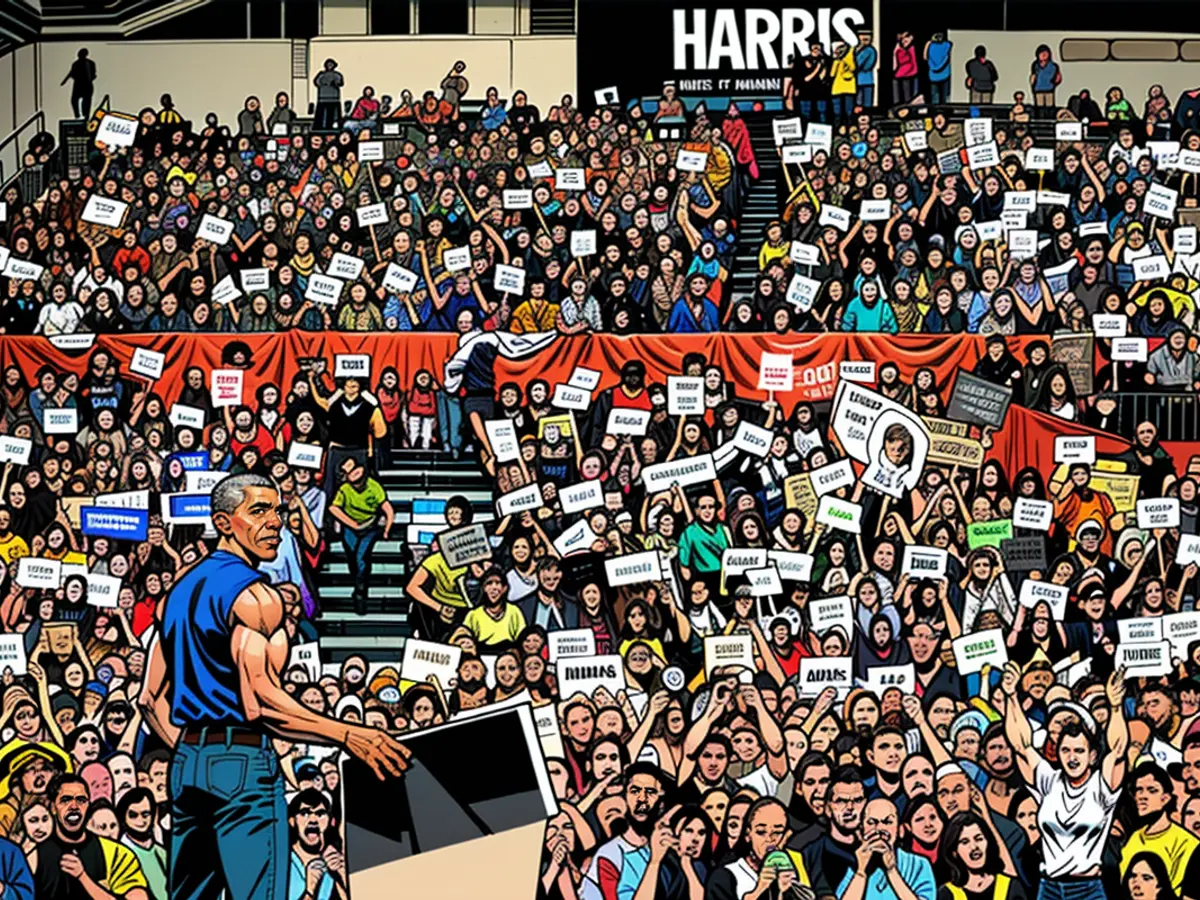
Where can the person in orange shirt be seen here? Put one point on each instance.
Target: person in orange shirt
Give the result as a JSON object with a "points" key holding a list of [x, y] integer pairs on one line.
{"points": [[1075, 502]]}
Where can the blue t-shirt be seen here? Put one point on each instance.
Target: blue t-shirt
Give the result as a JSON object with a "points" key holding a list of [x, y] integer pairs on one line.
{"points": [[864, 65], [196, 641], [1044, 76], [682, 320], [939, 60]]}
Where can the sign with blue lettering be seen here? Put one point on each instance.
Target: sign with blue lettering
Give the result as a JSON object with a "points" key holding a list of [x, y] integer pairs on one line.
{"points": [[193, 462], [187, 509], [110, 522]]}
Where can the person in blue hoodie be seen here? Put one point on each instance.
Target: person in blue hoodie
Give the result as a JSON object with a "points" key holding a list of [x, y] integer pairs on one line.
{"points": [[867, 311]]}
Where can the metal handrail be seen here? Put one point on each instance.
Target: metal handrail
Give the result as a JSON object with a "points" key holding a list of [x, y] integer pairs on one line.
{"points": [[14, 135]]}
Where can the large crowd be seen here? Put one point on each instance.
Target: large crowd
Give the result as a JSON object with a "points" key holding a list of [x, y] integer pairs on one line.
{"points": [[775, 648]]}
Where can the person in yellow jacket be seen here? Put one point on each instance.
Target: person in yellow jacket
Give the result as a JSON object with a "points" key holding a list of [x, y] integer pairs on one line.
{"points": [[844, 83], [977, 862]]}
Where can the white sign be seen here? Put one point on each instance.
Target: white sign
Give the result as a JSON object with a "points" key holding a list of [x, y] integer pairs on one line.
{"points": [[875, 210], [820, 672], [721, 651], [15, 449], [924, 562], [1188, 551], [691, 470], [1068, 131], [983, 156], [372, 214], [370, 151], [570, 179], [802, 291], [1152, 268], [1054, 595], [819, 135], [186, 416], [525, 499], [691, 160], [571, 642], [791, 565], [805, 254], [1160, 201], [1023, 243], [541, 169], [1110, 325], [465, 545], [306, 456], [24, 270], [509, 279], [351, 365], [982, 648], [225, 386], [60, 421], [1035, 515], [147, 363], [1144, 660], [829, 612], [1181, 629], [1022, 200], [202, 481], [627, 421], [34, 572], [1162, 512], [518, 198], [685, 395], [345, 266], [776, 372], [836, 216], [12, 650], [584, 378], [1183, 238], [753, 439], [583, 243], [103, 211], [578, 497], [1130, 349], [225, 291], [502, 435], [841, 515], [117, 130], [1039, 159], [977, 131], [103, 590], [1140, 630], [1053, 198], [881, 678], [457, 259], [916, 140], [125, 500], [576, 538], [797, 154], [1189, 161], [214, 229], [567, 397], [832, 477], [587, 674], [860, 371], [764, 582], [1075, 449], [423, 659], [786, 128], [399, 280], [323, 289]]}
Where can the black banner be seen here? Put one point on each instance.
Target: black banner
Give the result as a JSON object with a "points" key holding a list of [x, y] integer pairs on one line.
{"points": [[706, 47]]}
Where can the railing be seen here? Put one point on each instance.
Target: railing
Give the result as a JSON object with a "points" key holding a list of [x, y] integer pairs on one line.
{"points": [[13, 147], [1176, 416]]}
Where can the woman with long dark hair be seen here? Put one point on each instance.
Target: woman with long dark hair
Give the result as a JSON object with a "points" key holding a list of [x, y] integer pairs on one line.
{"points": [[1146, 878], [976, 868]]}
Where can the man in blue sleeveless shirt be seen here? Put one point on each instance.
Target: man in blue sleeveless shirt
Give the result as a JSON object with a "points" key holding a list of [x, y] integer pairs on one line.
{"points": [[213, 692]]}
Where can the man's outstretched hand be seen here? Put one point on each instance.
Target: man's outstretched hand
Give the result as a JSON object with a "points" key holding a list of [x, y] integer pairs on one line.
{"points": [[379, 750]]}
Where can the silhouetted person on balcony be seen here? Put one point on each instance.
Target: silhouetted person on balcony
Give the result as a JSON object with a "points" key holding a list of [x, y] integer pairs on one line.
{"points": [[329, 98], [83, 77]]}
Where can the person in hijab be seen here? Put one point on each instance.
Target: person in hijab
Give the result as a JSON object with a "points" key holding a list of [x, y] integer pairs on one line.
{"points": [[879, 647], [997, 365], [1037, 356]]}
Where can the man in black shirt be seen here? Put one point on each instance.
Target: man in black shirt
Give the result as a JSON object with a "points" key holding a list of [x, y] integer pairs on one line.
{"points": [[830, 856], [83, 79]]}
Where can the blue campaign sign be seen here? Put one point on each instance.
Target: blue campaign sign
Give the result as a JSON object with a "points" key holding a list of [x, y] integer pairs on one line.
{"points": [[193, 462], [111, 522], [190, 506]]}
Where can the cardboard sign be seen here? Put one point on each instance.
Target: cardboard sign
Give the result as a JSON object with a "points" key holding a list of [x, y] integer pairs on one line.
{"points": [[752, 439], [791, 565], [215, 229], [989, 534], [691, 470], [345, 266], [1140, 630], [1160, 201], [502, 436], [1130, 349], [183, 416], [633, 568], [517, 198], [1075, 448], [399, 280], [305, 456], [370, 151], [60, 421], [691, 160], [583, 243], [225, 385], [1068, 131], [1144, 660], [860, 371], [834, 476], [103, 591], [882, 678], [103, 211], [570, 179], [567, 397], [820, 672], [685, 395], [351, 365], [840, 515], [578, 497], [509, 279], [116, 130], [836, 216], [1110, 325], [465, 545], [225, 291], [775, 372], [1054, 595], [15, 450], [457, 259], [324, 289], [983, 648], [627, 421], [571, 643], [34, 572], [1160, 512], [721, 651], [924, 562], [1035, 515], [423, 659], [372, 214], [587, 674], [525, 499]]}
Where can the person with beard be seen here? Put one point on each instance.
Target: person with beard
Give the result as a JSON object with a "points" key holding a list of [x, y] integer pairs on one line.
{"points": [[1155, 801], [881, 870], [1079, 794], [470, 686], [137, 814], [763, 865], [630, 393], [318, 869], [976, 867], [623, 860], [807, 805], [74, 864], [831, 857], [998, 769], [998, 366]]}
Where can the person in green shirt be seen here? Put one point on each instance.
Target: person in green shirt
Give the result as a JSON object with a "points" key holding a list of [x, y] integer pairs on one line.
{"points": [[496, 623], [704, 540], [358, 506], [137, 812]]}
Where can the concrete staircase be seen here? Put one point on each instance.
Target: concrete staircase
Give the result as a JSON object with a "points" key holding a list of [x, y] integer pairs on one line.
{"points": [[760, 206]]}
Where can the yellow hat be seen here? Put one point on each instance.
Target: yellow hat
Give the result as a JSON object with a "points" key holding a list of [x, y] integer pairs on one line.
{"points": [[17, 753]]}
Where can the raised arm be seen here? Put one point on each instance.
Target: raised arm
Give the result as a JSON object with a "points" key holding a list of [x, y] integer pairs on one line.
{"points": [[1016, 725]]}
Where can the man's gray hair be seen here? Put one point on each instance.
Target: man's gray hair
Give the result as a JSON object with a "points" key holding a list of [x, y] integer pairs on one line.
{"points": [[230, 492]]}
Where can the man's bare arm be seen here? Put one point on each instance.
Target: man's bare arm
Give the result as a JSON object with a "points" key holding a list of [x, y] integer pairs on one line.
{"points": [[154, 700]]}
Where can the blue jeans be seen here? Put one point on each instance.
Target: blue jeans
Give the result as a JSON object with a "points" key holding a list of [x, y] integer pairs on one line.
{"points": [[449, 416], [939, 92], [229, 827], [806, 108], [843, 107], [358, 560], [1071, 889], [865, 96]]}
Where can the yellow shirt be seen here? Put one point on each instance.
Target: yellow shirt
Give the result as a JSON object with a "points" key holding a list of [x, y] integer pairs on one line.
{"points": [[843, 74], [491, 631], [445, 580], [13, 547], [769, 254], [532, 316], [1173, 846]]}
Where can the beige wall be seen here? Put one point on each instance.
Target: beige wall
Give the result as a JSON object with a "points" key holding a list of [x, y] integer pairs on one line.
{"points": [[200, 76], [346, 16], [494, 17], [543, 67], [1012, 52]]}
